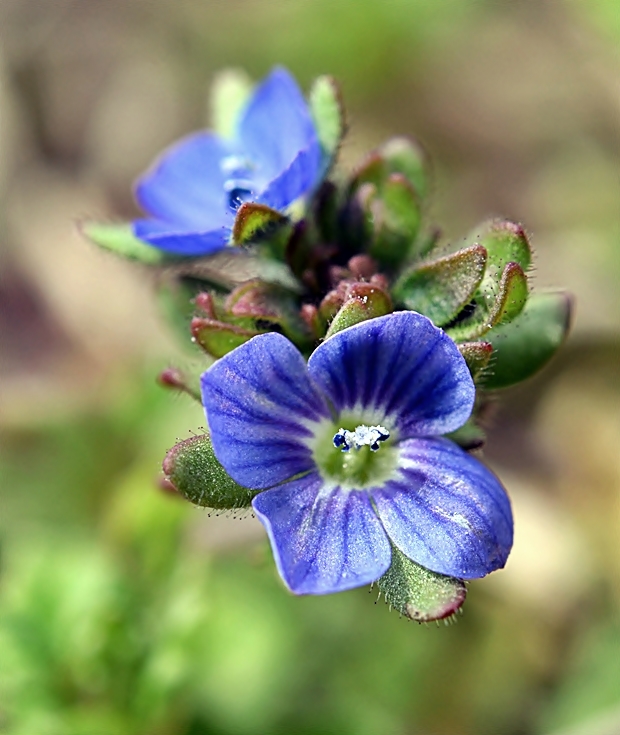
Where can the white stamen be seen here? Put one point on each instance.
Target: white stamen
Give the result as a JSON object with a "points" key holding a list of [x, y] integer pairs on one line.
{"points": [[362, 436]]}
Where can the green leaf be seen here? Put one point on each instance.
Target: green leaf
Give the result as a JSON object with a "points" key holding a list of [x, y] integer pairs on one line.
{"points": [[442, 288], [526, 344], [230, 91], [119, 239], [196, 473], [328, 114], [419, 594]]}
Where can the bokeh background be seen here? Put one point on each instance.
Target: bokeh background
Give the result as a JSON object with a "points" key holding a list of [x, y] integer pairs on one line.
{"points": [[123, 611]]}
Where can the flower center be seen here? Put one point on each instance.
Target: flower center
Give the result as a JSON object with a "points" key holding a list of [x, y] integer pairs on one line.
{"points": [[238, 184], [362, 436], [349, 457], [238, 193]]}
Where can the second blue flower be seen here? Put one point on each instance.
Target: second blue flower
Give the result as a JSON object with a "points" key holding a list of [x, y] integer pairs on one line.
{"points": [[192, 193]]}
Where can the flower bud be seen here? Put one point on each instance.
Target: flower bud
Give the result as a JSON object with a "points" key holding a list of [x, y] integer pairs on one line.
{"points": [[363, 301], [195, 472], [419, 594]]}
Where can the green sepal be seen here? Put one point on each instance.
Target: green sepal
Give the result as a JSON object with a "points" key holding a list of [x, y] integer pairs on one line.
{"points": [[218, 338], [360, 212], [364, 301], [441, 289], [326, 212], [419, 594], [505, 242], [196, 473], [470, 436], [261, 305], [477, 356], [230, 90], [396, 156], [512, 296], [405, 156], [524, 345], [494, 303], [396, 215], [258, 222], [328, 115], [119, 239]]}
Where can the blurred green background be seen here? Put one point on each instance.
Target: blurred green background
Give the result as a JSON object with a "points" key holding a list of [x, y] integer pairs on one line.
{"points": [[123, 611]]}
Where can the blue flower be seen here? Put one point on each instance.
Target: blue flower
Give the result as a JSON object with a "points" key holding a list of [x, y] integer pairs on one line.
{"points": [[196, 187], [348, 453]]}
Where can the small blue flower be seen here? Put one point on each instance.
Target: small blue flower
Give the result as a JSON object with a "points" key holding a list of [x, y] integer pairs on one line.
{"points": [[196, 187], [348, 453]]}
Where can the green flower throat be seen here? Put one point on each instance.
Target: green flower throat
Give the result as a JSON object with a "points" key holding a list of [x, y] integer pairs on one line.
{"points": [[354, 455]]}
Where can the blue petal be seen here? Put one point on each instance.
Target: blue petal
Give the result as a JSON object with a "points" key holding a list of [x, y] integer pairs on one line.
{"points": [[323, 540], [186, 184], [158, 234], [399, 366], [275, 126], [446, 511], [260, 406], [298, 179]]}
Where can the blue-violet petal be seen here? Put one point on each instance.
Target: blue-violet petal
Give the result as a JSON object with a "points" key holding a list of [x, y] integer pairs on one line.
{"points": [[275, 126], [323, 540], [162, 236], [260, 405], [298, 179], [400, 366], [447, 511], [185, 186]]}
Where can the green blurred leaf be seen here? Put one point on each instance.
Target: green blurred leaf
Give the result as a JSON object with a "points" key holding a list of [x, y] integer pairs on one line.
{"points": [[419, 594], [196, 473], [442, 288], [524, 345], [230, 91], [119, 239], [586, 699], [328, 114]]}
